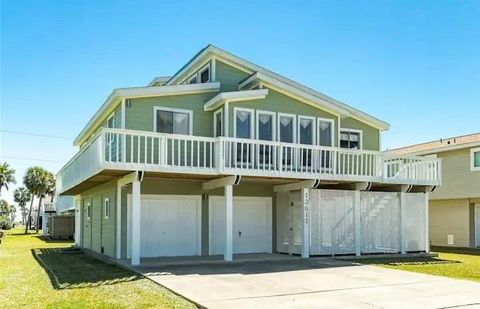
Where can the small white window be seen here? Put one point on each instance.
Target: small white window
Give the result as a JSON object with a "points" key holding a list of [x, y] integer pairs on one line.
{"points": [[204, 74], [218, 123], [89, 211], [106, 207], [192, 79], [475, 159], [171, 120], [351, 139]]}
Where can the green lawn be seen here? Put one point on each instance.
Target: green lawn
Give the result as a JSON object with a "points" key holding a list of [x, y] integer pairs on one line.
{"points": [[451, 262], [34, 274]]}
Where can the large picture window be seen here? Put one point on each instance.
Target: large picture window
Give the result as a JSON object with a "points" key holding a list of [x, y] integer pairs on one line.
{"points": [[286, 128], [351, 139], [243, 123], [174, 121], [325, 132]]}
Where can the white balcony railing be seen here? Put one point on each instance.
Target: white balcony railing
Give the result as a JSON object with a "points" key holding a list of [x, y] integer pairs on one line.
{"points": [[149, 151]]}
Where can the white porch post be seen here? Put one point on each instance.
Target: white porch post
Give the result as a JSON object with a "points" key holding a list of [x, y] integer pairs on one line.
{"points": [[357, 222], [403, 230], [427, 239], [136, 205], [306, 223], [118, 247], [228, 255]]}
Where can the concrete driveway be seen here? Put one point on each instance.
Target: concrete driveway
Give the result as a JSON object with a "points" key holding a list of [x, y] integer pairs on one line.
{"points": [[320, 283]]}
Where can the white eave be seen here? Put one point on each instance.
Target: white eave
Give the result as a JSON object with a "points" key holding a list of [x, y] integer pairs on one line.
{"points": [[139, 92], [234, 96]]}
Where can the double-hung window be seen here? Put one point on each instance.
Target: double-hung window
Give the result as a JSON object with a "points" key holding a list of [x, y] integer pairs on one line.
{"points": [[287, 134], [475, 159], [243, 128], [325, 138], [106, 208], [218, 123], [265, 132], [351, 139], [306, 136], [175, 121]]}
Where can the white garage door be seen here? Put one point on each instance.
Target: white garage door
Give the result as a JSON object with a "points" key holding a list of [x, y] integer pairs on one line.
{"points": [[170, 225], [252, 225]]}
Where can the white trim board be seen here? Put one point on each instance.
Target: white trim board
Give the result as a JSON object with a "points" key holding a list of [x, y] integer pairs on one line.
{"points": [[234, 96]]}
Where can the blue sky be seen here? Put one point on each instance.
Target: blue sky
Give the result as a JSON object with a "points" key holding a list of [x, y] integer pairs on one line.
{"points": [[414, 64]]}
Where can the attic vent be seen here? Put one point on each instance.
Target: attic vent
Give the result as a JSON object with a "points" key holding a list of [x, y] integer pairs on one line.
{"points": [[128, 103]]}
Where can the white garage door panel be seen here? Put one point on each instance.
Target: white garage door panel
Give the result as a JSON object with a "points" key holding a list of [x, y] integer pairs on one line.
{"points": [[170, 225], [252, 225]]}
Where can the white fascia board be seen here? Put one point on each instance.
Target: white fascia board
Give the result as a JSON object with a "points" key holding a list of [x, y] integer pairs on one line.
{"points": [[234, 96], [141, 92]]}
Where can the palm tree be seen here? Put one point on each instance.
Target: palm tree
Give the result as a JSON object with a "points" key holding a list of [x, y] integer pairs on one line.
{"points": [[34, 181], [21, 196], [7, 176], [47, 187]]}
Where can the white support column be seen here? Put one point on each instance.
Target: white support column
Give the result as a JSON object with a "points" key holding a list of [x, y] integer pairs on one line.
{"points": [[427, 239], [136, 213], [118, 223], [357, 222], [306, 223], [228, 255], [403, 230]]}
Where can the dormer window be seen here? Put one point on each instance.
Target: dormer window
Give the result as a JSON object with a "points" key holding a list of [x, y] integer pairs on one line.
{"points": [[192, 80], [205, 74]]}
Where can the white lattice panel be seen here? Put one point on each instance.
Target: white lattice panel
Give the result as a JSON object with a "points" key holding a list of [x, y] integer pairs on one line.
{"points": [[332, 226], [380, 222], [415, 221]]}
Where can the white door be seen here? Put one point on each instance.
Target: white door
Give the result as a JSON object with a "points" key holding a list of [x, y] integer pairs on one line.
{"points": [[477, 225], [252, 225], [170, 225]]}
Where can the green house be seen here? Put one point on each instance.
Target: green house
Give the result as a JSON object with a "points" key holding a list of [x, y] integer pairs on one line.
{"points": [[226, 157]]}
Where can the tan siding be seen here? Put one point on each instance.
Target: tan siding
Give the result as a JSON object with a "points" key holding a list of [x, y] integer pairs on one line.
{"points": [[449, 217], [457, 179]]}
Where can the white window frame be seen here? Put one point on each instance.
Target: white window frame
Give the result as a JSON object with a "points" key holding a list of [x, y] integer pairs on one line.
{"points": [[106, 202], [89, 211], [294, 126], [353, 131], [274, 129], [187, 81], [332, 122], [205, 67], [173, 110], [474, 168], [219, 111], [252, 120], [314, 135]]}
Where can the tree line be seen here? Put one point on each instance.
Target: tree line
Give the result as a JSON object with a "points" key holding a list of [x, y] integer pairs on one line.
{"points": [[38, 183]]}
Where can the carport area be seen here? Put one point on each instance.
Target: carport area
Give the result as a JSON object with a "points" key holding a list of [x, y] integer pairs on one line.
{"points": [[307, 283]]}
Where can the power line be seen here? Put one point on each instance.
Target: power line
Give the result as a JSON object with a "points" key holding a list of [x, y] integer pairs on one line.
{"points": [[31, 159], [35, 134]]}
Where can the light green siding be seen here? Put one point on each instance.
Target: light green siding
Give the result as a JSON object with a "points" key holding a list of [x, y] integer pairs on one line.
{"points": [[228, 76], [370, 135], [280, 103], [140, 115], [97, 231]]}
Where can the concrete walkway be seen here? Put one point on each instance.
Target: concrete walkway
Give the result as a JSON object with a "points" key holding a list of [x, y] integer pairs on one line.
{"points": [[320, 283]]}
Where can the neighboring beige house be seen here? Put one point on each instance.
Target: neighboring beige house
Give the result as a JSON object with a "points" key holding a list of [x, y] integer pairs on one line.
{"points": [[455, 206]]}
